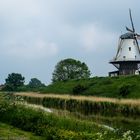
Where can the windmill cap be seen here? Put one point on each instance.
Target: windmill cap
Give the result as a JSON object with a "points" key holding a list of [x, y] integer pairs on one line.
{"points": [[127, 36]]}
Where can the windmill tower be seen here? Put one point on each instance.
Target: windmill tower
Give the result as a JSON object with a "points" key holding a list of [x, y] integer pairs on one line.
{"points": [[127, 59]]}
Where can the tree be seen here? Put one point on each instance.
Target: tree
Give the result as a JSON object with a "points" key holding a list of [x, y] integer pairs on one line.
{"points": [[70, 69], [35, 83], [14, 81]]}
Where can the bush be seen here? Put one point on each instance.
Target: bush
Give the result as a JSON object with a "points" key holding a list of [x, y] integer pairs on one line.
{"points": [[78, 89], [125, 89]]}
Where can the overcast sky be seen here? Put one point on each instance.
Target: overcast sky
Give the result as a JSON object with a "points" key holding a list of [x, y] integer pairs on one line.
{"points": [[36, 34]]}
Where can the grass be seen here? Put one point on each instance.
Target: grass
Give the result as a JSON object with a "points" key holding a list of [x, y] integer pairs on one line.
{"points": [[112, 87], [49, 125], [116, 122], [56, 127], [9, 132], [98, 86], [86, 105], [135, 102]]}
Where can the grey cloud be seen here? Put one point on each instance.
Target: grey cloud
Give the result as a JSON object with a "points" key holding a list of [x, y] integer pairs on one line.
{"points": [[36, 34]]}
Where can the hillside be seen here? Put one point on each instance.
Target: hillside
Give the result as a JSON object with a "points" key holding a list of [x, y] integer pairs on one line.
{"points": [[117, 87]]}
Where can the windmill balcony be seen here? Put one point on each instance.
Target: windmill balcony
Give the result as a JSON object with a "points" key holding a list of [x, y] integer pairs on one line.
{"points": [[124, 59]]}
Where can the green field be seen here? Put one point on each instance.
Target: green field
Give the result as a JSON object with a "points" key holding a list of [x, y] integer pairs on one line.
{"points": [[115, 87]]}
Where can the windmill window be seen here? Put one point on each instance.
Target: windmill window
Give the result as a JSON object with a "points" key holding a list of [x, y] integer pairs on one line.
{"points": [[129, 48], [123, 56]]}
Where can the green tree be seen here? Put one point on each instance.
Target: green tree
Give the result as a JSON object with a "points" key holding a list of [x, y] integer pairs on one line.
{"points": [[14, 81], [70, 69], [35, 83]]}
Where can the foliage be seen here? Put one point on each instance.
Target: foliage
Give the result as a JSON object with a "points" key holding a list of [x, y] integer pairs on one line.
{"points": [[14, 81], [127, 135], [68, 69], [9, 132], [87, 107], [79, 89], [42, 124], [98, 86], [55, 127], [35, 83], [125, 89]]}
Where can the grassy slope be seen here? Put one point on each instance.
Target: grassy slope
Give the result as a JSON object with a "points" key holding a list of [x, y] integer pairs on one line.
{"points": [[98, 86], [10, 132]]}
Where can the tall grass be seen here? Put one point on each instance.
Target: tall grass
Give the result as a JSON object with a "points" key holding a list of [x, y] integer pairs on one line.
{"points": [[86, 105], [49, 125], [53, 127]]}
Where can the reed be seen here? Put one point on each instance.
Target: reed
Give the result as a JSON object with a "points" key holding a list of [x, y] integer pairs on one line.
{"points": [[56, 127], [49, 125], [85, 104]]}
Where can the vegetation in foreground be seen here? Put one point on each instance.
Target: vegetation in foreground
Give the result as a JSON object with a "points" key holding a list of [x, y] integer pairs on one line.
{"points": [[85, 105], [120, 114], [54, 127], [9, 132]]}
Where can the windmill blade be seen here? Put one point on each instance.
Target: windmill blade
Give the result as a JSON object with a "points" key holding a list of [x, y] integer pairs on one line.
{"points": [[131, 20], [137, 44], [129, 30]]}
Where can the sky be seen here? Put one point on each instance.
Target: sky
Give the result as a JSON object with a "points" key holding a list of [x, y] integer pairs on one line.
{"points": [[36, 34]]}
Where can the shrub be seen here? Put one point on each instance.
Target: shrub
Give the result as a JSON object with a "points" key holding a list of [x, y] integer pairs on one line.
{"points": [[125, 89], [78, 89]]}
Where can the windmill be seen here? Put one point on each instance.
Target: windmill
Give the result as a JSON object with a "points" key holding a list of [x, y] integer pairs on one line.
{"points": [[127, 59]]}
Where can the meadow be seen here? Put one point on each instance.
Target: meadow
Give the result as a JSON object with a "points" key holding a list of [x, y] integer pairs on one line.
{"points": [[49, 126], [112, 87], [56, 127], [122, 114]]}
